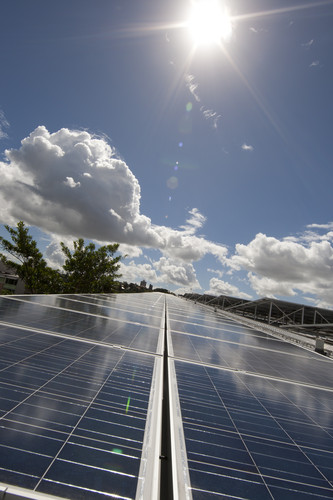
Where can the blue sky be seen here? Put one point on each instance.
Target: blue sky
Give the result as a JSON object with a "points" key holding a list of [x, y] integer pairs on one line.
{"points": [[211, 164]]}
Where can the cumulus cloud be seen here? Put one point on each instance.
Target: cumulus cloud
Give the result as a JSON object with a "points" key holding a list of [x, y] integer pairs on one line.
{"points": [[267, 287], [70, 183], [134, 272], [177, 273], [284, 267], [192, 248], [161, 271], [219, 287], [130, 250], [53, 254], [215, 271], [247, 147]]}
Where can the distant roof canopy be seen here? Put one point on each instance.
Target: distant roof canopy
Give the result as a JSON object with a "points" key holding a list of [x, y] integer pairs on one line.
{"points": [[274, 312]]}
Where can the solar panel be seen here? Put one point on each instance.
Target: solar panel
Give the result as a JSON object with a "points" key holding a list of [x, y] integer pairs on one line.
{"points": [[90, 383], [73, 400], [257, 412]]}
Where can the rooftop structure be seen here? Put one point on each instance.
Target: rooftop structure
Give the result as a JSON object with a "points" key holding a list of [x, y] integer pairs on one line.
{"points": [[150, 396], [288, 315], [9, 281]]}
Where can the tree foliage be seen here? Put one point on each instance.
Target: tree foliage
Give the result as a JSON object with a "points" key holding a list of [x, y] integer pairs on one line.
{"points": [[27, 260], [86, 269], [90, 270]]}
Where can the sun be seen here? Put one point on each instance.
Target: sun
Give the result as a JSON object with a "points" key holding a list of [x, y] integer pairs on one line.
{"points": [[209, 22]]}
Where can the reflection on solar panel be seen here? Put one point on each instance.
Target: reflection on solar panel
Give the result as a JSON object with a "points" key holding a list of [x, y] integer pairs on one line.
{"points": [[146, 396]]}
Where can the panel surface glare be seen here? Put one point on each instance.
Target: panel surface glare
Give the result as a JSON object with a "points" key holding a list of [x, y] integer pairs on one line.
{"points": [[259, 423], [77, 378], [73, 412], [50, 314]]}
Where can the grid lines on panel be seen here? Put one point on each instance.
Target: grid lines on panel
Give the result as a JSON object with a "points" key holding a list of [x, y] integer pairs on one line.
{"points": [[73, 414], [257, 422]]}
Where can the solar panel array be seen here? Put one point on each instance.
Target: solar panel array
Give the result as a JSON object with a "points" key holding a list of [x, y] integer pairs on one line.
{"points": [[81, 387]]}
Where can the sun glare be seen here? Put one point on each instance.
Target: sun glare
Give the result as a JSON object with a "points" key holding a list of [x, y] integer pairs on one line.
{"points": [[209, 22]]}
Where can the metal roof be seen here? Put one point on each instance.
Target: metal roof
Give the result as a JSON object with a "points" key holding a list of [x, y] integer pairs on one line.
{"points": [[283, 314]]}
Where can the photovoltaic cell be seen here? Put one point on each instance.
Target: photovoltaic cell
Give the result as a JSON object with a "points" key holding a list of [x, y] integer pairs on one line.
{"points": [[251, 351], [82, 324], [91, 404], [73, 413], [77, 383], [248, 435], [148, 314]]}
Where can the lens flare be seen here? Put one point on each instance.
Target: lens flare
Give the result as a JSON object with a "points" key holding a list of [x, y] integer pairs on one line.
{"points": [[172, 182], [119, 451]]}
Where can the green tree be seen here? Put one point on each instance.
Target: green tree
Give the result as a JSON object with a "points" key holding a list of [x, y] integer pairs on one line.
{"points": [[88, 270], [28, 261]]}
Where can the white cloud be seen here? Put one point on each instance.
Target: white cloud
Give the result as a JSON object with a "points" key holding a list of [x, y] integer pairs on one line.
{"points": [[211, 115], [216, 271], [191, 248], [134, 272], [71, 183], [193, 223], [247, 147], [208, 114], [4, 124], [314, 64], [177, 273], [285, 267], [53, 254], [267, 287], [313, 234], [192, 85], [321, 226], [130, 250], [308, 44], [257, 30], [45, 183], [160, 272], [219, 287]]}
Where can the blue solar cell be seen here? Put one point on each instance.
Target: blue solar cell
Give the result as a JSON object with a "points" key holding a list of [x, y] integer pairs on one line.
{"points": [[256, 412], [24, 462], [73, 411], [93, 478], [229, 415], [16, 478], [231, 483]]}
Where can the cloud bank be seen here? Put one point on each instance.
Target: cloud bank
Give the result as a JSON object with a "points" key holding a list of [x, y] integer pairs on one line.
{"points": [[285, 268], [219, 287], [70, 183]]}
